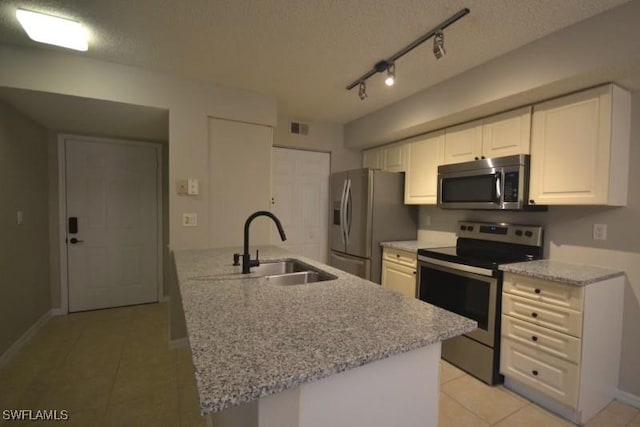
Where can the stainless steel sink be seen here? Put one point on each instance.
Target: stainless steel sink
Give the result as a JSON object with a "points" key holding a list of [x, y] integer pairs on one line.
{"points": [[291, 272]]}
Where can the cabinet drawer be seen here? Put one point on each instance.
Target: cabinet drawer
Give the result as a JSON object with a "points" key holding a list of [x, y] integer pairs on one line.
{"points": [[399, 278], [556, 378], [555, 343], [400, 256], [559, 294], [549, 316]]}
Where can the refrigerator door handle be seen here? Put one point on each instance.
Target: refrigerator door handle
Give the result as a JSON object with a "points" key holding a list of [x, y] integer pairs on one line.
{"points": [[343, 199], [349, 210]]}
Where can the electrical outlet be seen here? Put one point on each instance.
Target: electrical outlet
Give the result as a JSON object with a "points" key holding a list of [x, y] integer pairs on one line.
{"points": [[189, 220], [599, 231]]}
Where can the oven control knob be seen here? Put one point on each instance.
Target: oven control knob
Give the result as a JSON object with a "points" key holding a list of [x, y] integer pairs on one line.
{"points": [[470, 228], [528, 233], [518, 232], [463, 227]]}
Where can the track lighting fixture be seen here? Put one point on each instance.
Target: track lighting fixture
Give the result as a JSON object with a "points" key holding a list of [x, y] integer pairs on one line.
{"points": [[389, 65], [391, 75], [438, 45], [362, 91]]}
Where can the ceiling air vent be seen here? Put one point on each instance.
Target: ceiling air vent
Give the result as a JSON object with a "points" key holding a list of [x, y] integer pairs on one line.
{"points": [[299, 128]]}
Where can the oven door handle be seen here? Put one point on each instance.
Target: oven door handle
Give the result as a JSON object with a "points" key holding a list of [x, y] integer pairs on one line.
{"points": [[498, 184], [455, 266]]}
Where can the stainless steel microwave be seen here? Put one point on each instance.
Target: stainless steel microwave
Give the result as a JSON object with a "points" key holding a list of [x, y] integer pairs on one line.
{"points": [[497, 183]]}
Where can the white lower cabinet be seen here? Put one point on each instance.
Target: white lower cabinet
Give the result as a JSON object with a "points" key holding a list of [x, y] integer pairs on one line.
{"points": [[399, 271], [560, 343]]}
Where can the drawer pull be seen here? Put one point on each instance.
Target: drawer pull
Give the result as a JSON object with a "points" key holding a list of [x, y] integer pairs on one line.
{"points": [[414, 273], [397, 255], [535, 373], [537, 291], [534, 315], [534, 338]]}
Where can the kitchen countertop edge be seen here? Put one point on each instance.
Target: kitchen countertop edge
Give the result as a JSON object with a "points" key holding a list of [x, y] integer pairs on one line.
{"points": [[563, 272]]}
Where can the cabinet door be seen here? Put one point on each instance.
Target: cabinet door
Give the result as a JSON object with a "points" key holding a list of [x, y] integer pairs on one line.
{"points": [[571, 150], [421, 179], [395, 158], [373, 158], [463, 143], [399, 278], [507, 134]]}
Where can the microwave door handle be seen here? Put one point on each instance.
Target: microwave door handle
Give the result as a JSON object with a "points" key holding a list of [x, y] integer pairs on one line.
{"points": [[498, 179]]}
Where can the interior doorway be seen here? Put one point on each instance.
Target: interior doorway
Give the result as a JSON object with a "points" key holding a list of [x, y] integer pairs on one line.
{"points": [[112, 221], [300, 199]]}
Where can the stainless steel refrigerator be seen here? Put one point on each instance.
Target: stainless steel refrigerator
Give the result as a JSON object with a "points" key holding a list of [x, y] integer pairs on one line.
{"points": [[367, 207]]}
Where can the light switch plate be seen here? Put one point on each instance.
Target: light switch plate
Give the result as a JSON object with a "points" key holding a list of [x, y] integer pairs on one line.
{"points": [[181, 187], [19, 217], [189, 220]]}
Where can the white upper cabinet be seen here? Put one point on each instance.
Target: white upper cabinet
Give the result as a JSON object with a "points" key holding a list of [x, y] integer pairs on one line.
{"points": [[424, 154], [507, 134], [580, 148], [395, 157], [373, 158], [463, 143], [391, 158]]}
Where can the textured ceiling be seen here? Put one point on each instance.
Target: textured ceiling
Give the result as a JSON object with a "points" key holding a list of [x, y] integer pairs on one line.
{"points": [[305, 52]]}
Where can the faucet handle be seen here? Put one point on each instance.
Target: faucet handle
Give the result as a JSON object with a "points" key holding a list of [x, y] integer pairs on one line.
{"points": [[236, 259], [257, 258]]}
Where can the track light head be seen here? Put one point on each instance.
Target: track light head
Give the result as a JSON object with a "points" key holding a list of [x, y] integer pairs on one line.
{"points": [[438, 45], [391, 75], [362, 91]]}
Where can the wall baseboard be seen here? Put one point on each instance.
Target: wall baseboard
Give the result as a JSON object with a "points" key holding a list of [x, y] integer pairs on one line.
{"points": [[628, 398], [24, 339], [58, 312], [179, 343]]}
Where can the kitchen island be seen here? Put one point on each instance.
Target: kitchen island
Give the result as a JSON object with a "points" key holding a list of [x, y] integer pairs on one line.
{"points": [[339, 352]]}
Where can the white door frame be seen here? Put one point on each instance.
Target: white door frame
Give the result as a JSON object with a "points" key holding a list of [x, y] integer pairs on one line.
{"points": [[62, 211]]}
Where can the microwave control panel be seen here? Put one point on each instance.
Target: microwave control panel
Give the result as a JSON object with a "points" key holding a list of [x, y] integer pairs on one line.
{"points": [[511, 185]]}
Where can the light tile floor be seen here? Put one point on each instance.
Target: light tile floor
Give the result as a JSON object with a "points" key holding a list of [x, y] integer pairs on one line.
{"points": [[114, 368], [465, 401]]}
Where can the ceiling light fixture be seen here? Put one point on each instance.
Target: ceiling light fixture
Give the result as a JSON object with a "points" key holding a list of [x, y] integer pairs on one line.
{"points": [[53, 30], [362, 91], [438, 45], [391, 75], [388, 65]]}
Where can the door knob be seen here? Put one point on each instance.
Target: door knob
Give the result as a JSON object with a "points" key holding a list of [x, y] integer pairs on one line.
{"points": [[73, 241]]}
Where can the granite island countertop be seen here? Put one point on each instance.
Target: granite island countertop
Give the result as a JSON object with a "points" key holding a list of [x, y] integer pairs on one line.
{"points": [[251, 339], [557, 271]]}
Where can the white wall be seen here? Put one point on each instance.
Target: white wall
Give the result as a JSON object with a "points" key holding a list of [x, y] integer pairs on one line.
{"points": [[189, 103], [326, 137], [603, 48]]}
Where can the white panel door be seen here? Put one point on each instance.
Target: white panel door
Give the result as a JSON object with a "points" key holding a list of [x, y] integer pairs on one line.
{"points": [[301, 201], [239, 181], [112, 190]]}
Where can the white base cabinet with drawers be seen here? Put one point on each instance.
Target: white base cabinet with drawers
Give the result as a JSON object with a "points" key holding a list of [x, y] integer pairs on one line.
{"points": [[399, 271], [561, 343]]}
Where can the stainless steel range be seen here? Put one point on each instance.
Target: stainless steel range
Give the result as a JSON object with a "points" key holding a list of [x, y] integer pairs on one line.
{"points": [[465, 279]]}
